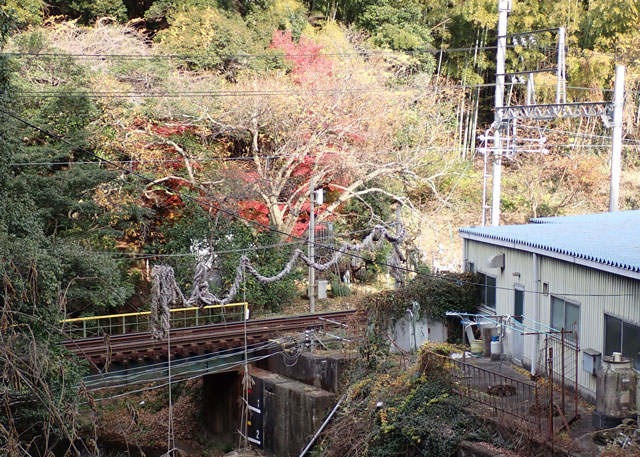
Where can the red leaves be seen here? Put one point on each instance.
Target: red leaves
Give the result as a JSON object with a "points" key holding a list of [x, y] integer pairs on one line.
{"points": [[255, 211], [168, 130], [309, 66]]}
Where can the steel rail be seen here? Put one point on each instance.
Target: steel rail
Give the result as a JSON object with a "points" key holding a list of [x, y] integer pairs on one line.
{"points": [[207, 338]]}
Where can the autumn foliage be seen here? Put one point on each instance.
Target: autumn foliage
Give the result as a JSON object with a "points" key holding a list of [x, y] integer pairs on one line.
{"points": [[309, 67]]}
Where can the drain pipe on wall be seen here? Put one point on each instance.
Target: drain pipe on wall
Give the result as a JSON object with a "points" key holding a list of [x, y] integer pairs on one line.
{"points": [[322, 427], [536, 311]]}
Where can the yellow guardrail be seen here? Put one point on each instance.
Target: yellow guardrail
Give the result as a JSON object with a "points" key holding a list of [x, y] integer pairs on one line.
{"points": [[119, 323]]}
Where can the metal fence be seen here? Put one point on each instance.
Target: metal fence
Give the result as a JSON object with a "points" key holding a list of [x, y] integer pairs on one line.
{"points": [[120, 324], [558, 361], [532, 406]]}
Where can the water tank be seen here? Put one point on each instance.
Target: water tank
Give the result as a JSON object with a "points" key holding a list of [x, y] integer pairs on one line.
{"points": [[615, 392]]}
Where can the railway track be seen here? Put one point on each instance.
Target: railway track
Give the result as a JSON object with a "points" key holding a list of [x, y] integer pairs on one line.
{"points": [[137, 347]]}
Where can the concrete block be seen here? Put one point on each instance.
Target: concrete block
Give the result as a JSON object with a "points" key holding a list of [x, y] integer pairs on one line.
{"points": [[322, 370], [293, 411]]}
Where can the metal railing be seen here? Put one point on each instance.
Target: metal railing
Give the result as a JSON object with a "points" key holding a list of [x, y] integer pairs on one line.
{"points": [[534, 408], [120, 324], [506, 395]]}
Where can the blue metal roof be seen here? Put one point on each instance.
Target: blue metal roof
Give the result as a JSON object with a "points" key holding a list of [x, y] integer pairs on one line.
{"points": [[611, 239]]}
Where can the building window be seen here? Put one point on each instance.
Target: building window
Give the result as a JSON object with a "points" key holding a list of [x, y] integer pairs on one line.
{"points": [[518, 304], [621, 336], [564, 315], [488, 290]]}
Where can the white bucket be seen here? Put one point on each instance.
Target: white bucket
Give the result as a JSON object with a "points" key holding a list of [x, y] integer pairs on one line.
{"points": [[495, 350]]}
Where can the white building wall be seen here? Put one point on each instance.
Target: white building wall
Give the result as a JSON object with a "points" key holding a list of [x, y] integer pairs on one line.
{"points": [[401, 333], [598, 292]]}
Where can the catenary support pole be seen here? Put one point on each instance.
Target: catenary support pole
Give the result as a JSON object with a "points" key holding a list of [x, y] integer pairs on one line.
{"points": [[504, 6], [561, 83], [616, 143], [312, 247]]}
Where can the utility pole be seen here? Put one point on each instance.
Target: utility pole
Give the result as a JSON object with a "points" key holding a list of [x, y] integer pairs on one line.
{"points": [[616, 143], [312, 246], [397, 282], [561, 70], [504, 7]]}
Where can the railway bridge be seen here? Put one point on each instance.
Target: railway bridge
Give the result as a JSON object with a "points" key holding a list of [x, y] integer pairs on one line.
{"points": [[214, 343]]}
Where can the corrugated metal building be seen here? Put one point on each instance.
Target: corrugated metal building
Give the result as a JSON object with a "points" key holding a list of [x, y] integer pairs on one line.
{"points": [[561, 272]]}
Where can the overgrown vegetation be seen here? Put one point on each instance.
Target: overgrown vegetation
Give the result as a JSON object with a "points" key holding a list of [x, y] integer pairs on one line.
{"points": [[400, 412]]}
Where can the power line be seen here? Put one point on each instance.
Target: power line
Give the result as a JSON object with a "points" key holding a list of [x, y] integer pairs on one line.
{"points": [[240, 93], [150, 255], [242, 55], [152, 161], [275, 230], [255, 93], [211, 159], [582, 135]]}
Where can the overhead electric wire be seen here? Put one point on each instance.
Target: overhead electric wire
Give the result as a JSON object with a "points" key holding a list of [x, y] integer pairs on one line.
{"points": [[223, 367], [363, 53], [579, 134], [162, 93], [150, 255], [139, 377], [239, 93], [210, 159], [269, 228]]}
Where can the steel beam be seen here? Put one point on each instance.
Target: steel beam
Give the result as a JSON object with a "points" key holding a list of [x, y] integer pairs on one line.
{"points": [[557, 110]]}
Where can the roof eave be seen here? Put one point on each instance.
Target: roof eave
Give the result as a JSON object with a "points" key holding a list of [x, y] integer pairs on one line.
{"points": [[555, 255]]}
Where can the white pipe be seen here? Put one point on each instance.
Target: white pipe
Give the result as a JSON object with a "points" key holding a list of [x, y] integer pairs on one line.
{"points": [[322, 427]]}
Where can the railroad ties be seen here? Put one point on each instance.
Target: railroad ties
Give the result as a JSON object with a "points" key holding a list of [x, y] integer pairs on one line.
{"points": [[139, 348]]}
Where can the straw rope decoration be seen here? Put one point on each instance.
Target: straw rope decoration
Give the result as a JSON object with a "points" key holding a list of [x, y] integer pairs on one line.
{"points": [[166, 293]]}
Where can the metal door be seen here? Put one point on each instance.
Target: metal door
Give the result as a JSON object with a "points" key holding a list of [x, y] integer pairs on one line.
{"points": [[517, 347]]}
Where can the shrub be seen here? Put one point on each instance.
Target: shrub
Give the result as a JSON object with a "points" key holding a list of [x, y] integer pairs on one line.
{"points": [[338, 288]]}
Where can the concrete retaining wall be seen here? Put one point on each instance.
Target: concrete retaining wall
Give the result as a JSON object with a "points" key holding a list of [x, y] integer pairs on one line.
{"points": [[324, 370], [293, 411]]}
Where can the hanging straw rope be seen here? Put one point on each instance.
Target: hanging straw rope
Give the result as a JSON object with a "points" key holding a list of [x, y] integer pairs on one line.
{"points": [[166, 292]]}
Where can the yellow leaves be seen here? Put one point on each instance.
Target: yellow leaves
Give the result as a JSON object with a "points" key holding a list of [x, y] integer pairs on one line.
{"points": [[331, 36], [287, 7]]}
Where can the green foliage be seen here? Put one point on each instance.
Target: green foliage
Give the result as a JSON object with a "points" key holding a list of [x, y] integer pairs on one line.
{"points": [[338, 288], [194, 230], [164, 9], [266, 16], [395, 412], [361, 213], [436, 295], [37, 372], [210, 35], [24, 12], [606, 21], [400, 26], [429, 421], [90, 10]]}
